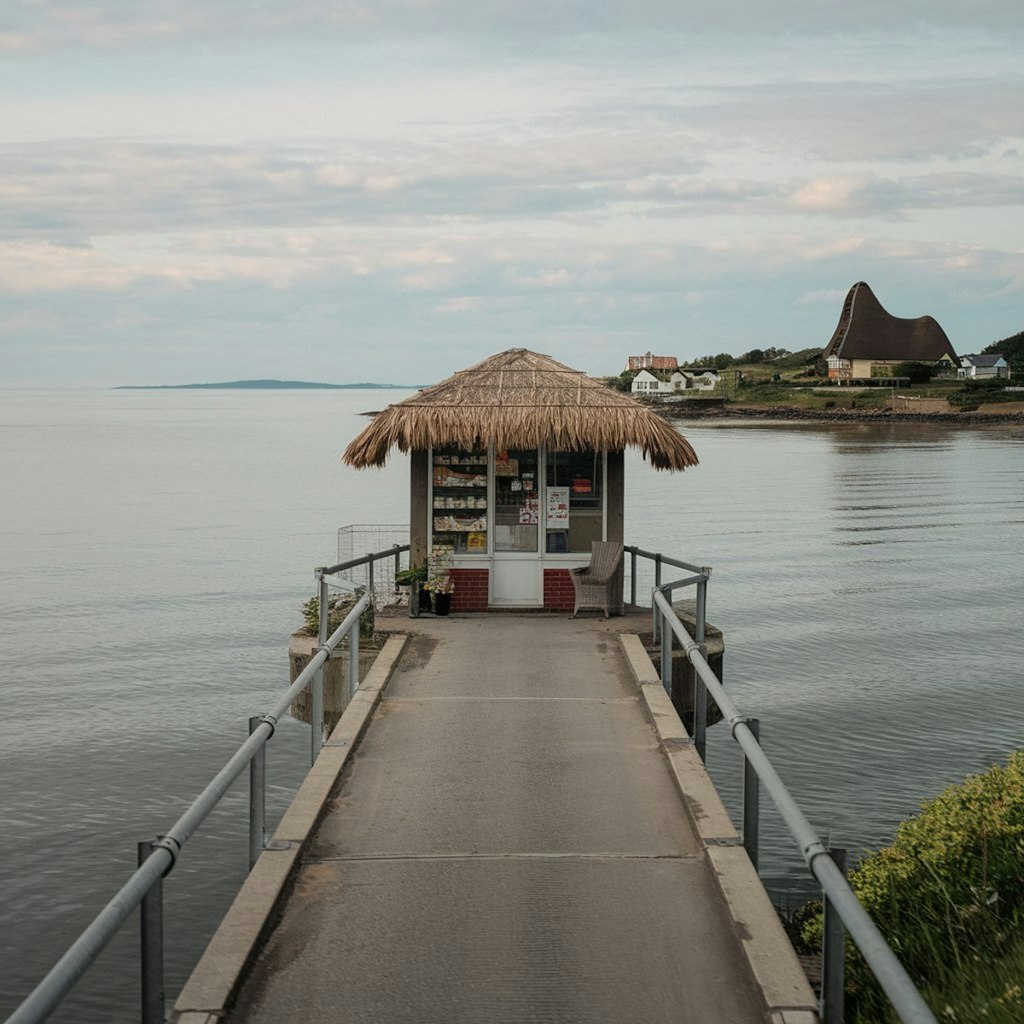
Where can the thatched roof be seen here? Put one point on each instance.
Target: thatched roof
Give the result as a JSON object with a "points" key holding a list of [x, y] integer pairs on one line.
{"points": [[866, 331], [521, 399]]}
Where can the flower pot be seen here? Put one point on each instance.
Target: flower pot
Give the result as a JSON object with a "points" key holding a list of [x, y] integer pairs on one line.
{"points": [[442, 604], [424, 598]]}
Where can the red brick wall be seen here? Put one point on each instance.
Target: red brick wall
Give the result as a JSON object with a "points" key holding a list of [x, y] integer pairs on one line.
{"points": [[471, 590], [558, 589]]}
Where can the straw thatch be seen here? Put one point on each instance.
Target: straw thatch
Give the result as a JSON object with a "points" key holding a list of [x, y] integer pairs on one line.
{"points": [[866, 330], [521, 399]]}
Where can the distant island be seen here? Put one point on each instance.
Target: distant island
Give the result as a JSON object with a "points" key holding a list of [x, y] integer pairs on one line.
{"points": [[267, 385]]}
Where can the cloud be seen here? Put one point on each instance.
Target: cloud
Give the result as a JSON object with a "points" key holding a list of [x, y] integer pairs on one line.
{"points": [[108, 24]]}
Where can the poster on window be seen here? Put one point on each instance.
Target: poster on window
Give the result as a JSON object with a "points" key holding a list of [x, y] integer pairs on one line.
{"points": [[558, 508], [504, 466], [529, 512]]}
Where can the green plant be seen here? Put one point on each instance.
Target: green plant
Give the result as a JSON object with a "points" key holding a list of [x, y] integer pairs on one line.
{"points": [[439, 566], [949, 888], [411, 576], [917, 372], [337, 608]]}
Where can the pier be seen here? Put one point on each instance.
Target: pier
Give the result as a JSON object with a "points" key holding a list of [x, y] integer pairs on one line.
{"points": [[508, 824]]}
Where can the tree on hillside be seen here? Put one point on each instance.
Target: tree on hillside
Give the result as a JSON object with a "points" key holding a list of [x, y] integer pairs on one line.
{"points": [[719, 362], [755, 355], [1011, 349], [917, 372], [624, 381]]}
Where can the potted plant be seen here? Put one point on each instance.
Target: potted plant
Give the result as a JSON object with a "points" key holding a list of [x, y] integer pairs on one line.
{"points": [[440, 582], [441, 589], [409, 582]]}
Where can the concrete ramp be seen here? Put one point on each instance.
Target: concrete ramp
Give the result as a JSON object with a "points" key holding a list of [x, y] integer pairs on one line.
{"points": [[507, 843]]}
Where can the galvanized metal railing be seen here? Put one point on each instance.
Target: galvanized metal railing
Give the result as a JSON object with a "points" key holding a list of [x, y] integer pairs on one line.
{"points": [[157, 857], [842, 908]]}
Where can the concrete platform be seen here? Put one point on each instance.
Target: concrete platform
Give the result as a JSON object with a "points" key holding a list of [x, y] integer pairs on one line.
{"points": [[508, 842]]}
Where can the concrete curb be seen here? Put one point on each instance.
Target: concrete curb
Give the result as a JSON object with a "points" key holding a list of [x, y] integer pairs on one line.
{"points": [[220, 969], [777, 972]]}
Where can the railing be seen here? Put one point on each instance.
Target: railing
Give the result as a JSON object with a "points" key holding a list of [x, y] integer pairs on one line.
{"points": [[144, 889], [842, 908]]}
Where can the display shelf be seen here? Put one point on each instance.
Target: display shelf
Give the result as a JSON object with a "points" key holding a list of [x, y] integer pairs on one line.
{"points": [[446, 478], [460, 524]]}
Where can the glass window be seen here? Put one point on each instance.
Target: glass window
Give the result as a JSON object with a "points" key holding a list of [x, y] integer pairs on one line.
{"points": [[459, 484], [575, 501], [516, 500]]}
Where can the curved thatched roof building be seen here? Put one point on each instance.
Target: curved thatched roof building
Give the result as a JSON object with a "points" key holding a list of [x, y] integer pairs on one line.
{"points": [[521, 399], [866, 331]]}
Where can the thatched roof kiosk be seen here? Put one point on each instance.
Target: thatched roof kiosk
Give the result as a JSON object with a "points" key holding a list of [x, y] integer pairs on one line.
{"points": [[521, 399], [518, 459]]}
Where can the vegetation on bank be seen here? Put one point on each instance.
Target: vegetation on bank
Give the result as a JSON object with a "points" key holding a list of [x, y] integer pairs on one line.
{"points": [[799, 380], [1011, 349], [948, 895]]}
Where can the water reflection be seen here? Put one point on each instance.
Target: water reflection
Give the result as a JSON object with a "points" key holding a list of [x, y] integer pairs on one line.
{"points": [[869, 579]]}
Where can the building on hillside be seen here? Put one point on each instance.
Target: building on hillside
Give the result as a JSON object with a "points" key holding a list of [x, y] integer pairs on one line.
{"points": [[649, 362], [982, 367], [661, 382], [868, 341], [658, 382], [702, 380]]}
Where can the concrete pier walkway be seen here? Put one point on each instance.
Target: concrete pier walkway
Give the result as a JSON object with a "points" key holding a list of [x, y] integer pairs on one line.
{"points": [[508, 843]]}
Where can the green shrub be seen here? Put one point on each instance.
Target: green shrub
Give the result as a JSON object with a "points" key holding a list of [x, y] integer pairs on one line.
{"points": [[917, 372], [949, 888], [337, 608], [973, 392]]}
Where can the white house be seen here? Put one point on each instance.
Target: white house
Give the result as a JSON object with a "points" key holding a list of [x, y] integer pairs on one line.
{"points": [[703, 380], [658, 382], [663, 382], [980, 367]]}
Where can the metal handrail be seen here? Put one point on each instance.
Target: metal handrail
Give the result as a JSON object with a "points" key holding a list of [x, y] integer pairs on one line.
{"points": [[657, 557], [154, 867], [886, 967], [368, 559]]}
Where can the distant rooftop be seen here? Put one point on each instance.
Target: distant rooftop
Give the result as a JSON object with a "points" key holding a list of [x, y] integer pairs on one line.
{"points": [[867, 331]]}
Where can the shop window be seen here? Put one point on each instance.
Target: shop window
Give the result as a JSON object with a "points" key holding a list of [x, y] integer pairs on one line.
{"points": [[516, 500], [459, 487], [574, 501]]}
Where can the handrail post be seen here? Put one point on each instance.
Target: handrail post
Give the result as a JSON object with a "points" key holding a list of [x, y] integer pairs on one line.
{"points": [[317, 683], [751, 799], [700, 711], [667, 637], [151, 922], [353, 658], [833, 954], [701, 611], [398, 565], [369, 573], [657, 586], [257, 797], [632, 577]]}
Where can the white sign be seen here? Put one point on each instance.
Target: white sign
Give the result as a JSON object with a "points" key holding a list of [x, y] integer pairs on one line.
{"points": [[558, 508]]}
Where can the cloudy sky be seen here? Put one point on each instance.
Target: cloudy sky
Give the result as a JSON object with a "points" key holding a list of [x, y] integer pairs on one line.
{"points": [[350, 190]]}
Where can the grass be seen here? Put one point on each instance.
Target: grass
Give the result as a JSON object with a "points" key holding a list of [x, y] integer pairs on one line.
{"points": [[987, 988], [948, 895]]}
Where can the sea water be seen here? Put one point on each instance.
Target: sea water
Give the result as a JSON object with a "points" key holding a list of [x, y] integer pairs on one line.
{"points": [[156, 547]]}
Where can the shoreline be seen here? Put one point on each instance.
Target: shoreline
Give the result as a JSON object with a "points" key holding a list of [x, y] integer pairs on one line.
{"points": [[788, 412]]}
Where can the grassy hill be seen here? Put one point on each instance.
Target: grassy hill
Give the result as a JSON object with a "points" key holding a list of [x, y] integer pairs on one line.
{"points": [[1011, 349]]}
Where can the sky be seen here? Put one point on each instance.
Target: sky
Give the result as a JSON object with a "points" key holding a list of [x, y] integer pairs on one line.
{"points": [[344, 191]]}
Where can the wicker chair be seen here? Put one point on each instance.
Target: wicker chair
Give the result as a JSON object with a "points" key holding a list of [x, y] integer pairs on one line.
{"points": [[599, 585]]}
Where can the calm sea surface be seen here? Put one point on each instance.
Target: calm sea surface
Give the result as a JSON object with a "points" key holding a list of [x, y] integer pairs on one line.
{"points": [[155, 548]]}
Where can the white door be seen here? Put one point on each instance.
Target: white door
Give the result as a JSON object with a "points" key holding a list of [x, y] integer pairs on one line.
{"points": [[516, 577]]}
